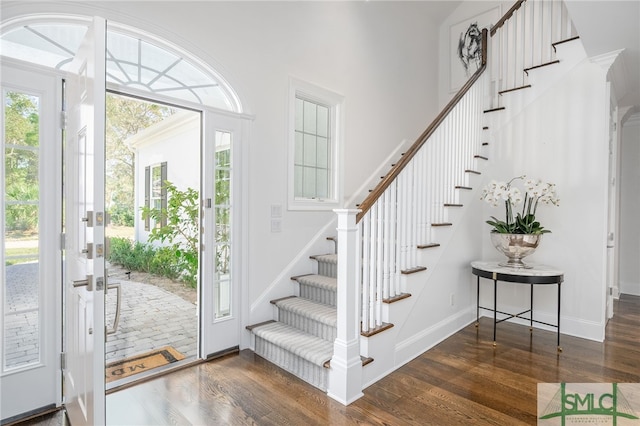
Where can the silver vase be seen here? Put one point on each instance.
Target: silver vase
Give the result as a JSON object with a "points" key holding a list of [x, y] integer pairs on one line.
{"points": [[515, 247]]}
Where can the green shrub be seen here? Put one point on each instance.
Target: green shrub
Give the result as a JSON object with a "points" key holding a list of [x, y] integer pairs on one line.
{"points": [[162, 261], [121, 215], [135, 256], [164, 264]]}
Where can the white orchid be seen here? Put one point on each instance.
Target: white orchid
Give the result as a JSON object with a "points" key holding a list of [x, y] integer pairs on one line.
{"points": [[536, 191]]}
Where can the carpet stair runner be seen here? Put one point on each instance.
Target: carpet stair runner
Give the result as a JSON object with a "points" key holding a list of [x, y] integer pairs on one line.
{"points": [[301, 340]]}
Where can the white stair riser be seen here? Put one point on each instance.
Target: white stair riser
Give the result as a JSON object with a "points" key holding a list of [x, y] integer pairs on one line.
{"points": [[327, 269], [320, 295], [307, 324], [310, 373]]}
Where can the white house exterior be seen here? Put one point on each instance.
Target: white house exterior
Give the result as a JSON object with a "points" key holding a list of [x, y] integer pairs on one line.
{"points": [[173, 143]]}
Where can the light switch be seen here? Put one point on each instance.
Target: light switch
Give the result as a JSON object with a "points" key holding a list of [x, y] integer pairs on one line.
{"points": [[276, 210]]}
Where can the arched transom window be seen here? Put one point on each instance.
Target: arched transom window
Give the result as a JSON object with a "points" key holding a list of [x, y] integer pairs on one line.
{"points": [[135, 62]]}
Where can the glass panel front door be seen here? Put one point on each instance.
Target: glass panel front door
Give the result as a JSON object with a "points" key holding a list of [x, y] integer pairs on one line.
{"points": [[22, 337]]}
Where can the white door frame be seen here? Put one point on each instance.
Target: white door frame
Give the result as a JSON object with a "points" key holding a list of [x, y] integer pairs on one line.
{"points": [[612, 265], [37, 387]]}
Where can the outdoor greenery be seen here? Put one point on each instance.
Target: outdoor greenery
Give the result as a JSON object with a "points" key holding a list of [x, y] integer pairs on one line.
{"points": [[181, 230], [144, 257], [223, 210], [125, 118], [21, 161]]}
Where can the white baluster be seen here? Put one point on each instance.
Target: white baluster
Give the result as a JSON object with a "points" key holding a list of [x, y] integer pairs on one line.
{"points": [[379, 249], [366, 276], [387, 291], [393, 255], [372, 269]]}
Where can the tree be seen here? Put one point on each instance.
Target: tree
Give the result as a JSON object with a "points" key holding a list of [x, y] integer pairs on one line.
{"points": [[125, 118], [22, 134]]}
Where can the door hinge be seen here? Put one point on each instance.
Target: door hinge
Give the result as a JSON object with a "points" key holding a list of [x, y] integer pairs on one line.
{"points": [[63, 241], [63, 120], [63, 360]]}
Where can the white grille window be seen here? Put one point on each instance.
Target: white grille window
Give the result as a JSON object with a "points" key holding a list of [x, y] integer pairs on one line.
{"points": [[314, 182]]}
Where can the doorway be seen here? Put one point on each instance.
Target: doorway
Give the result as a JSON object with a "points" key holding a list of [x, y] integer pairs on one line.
{"points": [[171, 77], [152, 193]]}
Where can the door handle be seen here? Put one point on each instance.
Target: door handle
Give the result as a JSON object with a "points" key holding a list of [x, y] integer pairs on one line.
{"points": [[88, 219], [116, 320], [88, 251], [88, 282]]}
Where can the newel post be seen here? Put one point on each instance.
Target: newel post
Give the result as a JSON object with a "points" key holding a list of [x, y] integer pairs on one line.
{"points": [[345, 375]]}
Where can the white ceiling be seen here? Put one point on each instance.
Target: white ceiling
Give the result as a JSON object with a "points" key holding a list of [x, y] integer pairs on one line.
{"points": [[607, 26]]}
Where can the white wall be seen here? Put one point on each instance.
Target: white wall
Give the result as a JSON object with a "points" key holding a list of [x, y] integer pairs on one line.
{"points": [[630, 207], [562, 137]]}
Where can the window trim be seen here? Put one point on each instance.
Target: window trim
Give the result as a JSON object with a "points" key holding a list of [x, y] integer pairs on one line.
{"points": [[335, 102]]}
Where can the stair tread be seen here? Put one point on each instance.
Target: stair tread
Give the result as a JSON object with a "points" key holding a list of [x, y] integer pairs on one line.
{"points": [[306, 346], [320, 312], [327, 283], [428, 245], [326, 258]]}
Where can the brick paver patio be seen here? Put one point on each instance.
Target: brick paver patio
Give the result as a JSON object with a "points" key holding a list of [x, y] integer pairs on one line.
{"points": [[150, 318]]}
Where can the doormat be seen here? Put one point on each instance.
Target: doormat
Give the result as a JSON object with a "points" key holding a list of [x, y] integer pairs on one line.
{"points": [[141, 363]]}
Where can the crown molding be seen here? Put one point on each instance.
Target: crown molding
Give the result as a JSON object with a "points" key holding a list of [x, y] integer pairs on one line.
{"points": [[605, 60]]}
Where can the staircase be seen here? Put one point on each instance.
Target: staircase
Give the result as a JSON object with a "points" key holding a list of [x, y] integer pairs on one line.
{"points": [[301, 340], [389, 246]]}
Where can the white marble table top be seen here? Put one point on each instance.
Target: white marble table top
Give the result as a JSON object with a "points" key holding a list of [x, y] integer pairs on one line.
{"points": [[535, 271]]}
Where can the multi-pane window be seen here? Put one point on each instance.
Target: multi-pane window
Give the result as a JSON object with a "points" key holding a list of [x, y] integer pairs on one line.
{"points": [[312, 164], [314, 151], [155, 177]]}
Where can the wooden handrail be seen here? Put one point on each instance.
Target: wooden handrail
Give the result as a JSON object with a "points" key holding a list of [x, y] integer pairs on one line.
{"points": [[411, 152], [506, 16]]}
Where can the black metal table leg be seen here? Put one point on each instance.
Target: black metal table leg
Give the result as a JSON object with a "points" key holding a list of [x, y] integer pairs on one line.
{"points": [[478, 301], [531, 309], [559, 287], [495, 309]]}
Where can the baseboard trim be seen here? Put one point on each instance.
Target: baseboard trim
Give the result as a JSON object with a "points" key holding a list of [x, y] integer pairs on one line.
{"points": [[418, 344]]}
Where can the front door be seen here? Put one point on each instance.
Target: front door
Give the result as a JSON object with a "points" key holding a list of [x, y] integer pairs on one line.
{"points": [[84, 227]]}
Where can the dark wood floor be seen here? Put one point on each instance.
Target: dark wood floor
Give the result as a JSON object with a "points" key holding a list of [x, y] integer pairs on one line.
{"points": [[462, 381]]}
